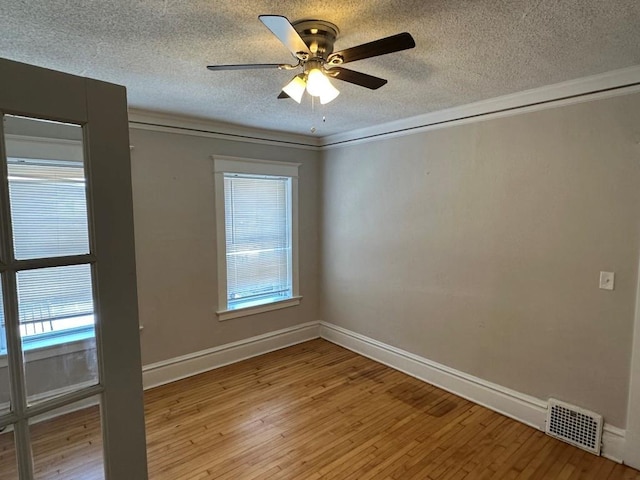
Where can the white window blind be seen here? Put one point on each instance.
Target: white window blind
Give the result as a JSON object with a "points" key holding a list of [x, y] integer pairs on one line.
{"points": [[54, 299], [258, 239], [48, 208], [49, 219]]}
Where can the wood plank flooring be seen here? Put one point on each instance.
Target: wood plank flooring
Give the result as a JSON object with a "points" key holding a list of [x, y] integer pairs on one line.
{"points": [[316, 411]]}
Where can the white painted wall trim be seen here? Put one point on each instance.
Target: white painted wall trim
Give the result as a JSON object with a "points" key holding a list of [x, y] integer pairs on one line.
{"points": [[614, 83], [519, 406], [143, 120], [168, 371], [613, 443], [632, 446], [617, 82], [232, 165], [524, 408]]}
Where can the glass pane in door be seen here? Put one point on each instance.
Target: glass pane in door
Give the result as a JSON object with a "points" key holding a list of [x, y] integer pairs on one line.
{"points": [[5, 391], [8, 462], [47, 191], [57, 329], [67, 443]]}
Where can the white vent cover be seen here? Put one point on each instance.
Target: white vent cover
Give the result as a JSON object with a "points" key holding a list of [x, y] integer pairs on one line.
{"points": [[575, 425]]}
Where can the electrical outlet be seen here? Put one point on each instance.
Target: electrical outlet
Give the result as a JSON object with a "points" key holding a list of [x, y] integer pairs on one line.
{"points": [[606, 280]]}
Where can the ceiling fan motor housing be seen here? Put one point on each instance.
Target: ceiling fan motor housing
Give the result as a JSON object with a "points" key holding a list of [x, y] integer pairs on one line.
{"points": [[319, 35]]}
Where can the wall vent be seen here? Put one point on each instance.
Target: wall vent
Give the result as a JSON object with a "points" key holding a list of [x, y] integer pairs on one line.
{"points": [[575, 425]]}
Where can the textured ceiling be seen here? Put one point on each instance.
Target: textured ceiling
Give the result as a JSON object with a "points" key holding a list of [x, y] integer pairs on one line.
{"points": [[466, 51]]}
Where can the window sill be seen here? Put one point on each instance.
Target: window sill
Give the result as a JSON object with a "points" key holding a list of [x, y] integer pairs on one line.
{"points": [[64, 344], [267, 307]]}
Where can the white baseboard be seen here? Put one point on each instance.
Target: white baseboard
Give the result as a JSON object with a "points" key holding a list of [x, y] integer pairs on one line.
{"points": [[168, 371], [613, 443], [519, 406]]}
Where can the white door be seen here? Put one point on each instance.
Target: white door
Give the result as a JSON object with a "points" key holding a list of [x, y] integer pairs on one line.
{"points": [[70, 370]]}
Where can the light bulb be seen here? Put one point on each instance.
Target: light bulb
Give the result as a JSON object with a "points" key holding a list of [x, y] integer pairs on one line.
{"points": [[316, 82], [319, 85]]}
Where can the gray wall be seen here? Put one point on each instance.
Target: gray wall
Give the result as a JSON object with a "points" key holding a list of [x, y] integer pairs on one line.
{"points": [[174, 216], [479, 246]]}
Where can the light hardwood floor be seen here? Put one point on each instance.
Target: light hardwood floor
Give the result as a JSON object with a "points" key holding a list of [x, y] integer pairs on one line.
{"points": [[316, 411]]}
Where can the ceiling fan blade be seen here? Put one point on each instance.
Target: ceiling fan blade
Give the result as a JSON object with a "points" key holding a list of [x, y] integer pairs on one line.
{"points": [[394, 43], [283, 95], [357, 78], [249, 66], [282, 28]]}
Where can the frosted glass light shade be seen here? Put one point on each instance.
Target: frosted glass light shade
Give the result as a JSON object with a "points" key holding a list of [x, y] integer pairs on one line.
{"points": [[318, 85], [330, 92], [316, 82], [295, 88]]}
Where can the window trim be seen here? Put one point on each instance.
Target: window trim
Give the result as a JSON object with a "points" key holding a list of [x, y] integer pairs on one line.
{"points": [[226, 164]]}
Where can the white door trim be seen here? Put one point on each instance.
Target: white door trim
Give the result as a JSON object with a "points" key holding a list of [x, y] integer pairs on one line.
{"points": [[632, 441]]}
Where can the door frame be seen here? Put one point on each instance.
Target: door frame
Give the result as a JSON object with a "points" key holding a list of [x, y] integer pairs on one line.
{"points": [[632, 434], [101, 109]]}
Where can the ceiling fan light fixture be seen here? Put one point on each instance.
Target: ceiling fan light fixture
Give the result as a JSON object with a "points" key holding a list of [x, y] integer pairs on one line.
{"points": [[317, 83], [295, 88], [311, 43], [330, 93]]}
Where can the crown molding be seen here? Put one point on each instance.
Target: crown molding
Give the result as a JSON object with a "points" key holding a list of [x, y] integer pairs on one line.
{"points": [[605, 85], [613, 83], [162, 122]]}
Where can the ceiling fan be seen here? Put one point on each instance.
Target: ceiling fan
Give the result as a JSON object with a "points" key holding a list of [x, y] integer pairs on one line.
{"points": [[311, 43]]}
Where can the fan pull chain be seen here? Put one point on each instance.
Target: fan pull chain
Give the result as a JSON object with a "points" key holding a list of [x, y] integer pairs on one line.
{"points": [[313, 109], [321, 111]]}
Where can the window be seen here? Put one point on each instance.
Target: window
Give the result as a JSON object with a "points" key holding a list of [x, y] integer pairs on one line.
{"points": [[256, 220], [48, 204]]}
